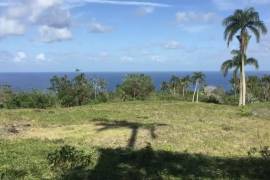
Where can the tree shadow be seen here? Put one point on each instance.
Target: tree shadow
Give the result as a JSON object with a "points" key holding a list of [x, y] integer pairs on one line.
{"points": [[133, 126], [125, 163]]}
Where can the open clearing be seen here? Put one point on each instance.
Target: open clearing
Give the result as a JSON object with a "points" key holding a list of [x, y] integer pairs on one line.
{"points": [[212, 131]]}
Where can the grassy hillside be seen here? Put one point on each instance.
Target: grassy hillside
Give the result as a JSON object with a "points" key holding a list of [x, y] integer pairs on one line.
{"points": [[187, 140]]}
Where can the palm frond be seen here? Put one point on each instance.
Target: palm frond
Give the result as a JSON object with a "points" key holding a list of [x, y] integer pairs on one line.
{"points": [[226, 66], [253, 62]]}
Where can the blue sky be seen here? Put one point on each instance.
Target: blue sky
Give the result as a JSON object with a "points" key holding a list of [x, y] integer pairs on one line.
{"points": [[121, 35]]}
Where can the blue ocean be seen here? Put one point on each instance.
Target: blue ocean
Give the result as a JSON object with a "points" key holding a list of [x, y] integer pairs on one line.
{"points": [[41, 81]]}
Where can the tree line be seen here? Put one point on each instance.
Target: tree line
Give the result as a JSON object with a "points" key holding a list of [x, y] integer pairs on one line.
{"points": [[80, 90]]}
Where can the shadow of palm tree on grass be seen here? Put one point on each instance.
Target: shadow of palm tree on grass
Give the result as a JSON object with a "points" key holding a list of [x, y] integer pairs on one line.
{"points": [[134, 126], [146, 163]]}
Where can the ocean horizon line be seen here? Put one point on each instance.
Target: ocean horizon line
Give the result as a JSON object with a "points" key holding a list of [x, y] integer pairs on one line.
{"points": [[252, 71]]}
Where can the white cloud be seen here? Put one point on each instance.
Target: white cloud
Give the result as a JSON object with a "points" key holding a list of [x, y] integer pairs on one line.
{"points": [[172, 45], [127, 59], [41, 57], [51, 34], [233, 4], [55, 17], [142, 11], [10, 27], [37, 7], [127, 3], [20, 56], [191, 17], [96, 27], [194, 22], [156, 58], [55, 21]]}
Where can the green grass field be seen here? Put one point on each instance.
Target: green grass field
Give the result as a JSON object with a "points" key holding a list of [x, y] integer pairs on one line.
{"points": [[188, 141]]}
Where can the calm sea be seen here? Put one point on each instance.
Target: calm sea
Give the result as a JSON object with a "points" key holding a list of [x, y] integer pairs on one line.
{"points": [[41, 81]]}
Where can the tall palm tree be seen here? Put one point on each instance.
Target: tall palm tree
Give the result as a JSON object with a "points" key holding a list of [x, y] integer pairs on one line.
{"points": [[198, 79], [245, 22], [236, 64]]}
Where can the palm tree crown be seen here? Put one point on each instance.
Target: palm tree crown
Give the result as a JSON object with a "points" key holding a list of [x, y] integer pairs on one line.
{"points": [[244, 21], [198, 77], [235, 63]]}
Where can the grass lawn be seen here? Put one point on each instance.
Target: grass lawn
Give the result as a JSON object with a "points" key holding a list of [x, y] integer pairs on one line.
{"points": [[188, 141]]}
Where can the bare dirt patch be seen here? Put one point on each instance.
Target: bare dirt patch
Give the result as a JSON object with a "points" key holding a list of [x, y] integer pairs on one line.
{"points": [[14, 129]]}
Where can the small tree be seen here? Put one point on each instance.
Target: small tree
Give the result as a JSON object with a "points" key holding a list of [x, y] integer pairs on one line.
{"points": [[77, 91], [136, 86]]}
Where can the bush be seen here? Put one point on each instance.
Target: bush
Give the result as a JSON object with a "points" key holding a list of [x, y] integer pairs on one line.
{"points": [[5, 95], [34, 99], [263, 152], [135, 86], [67, 160]]}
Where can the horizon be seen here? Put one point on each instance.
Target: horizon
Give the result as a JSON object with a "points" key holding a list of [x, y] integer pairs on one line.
{"points": [[122, 36], [206, 71]]}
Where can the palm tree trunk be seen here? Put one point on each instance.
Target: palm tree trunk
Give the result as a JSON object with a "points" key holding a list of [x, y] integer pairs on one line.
{"points": [[183, 91], [240, 90], [244, 43], [195, 90], [235, 92], [243, 82], [197, 101]]}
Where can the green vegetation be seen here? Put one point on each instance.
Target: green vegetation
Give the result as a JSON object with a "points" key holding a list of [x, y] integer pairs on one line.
{"points": [[79, 90], [187, 141], [177, 86], [136, 87], [32, 99]]}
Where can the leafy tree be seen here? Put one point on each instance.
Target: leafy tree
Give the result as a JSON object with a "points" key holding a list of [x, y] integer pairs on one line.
{"points": [[198, 79], [82, 88], [165, 87], [100, 87], [245, 22], [266, 87], [136, 86], [258, 88], [77, 91]]}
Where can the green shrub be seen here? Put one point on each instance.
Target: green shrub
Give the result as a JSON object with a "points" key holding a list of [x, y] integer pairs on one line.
{"points": [[67, 160], [263, 152], [34, 99], [5, 95]]}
